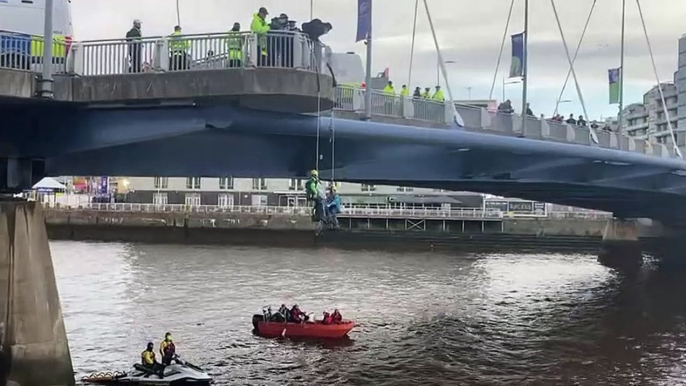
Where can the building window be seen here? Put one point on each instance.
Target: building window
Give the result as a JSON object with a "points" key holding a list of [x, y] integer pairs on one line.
{"points": [[225, 201], [368, 188], [405, 189], [161, 182], [160, 199], [193, 182], [193, 199], [226, 183], [296, 184], [259, 184]]}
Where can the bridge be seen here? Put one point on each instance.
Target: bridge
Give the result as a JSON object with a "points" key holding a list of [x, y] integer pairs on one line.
{"points": [[210, 115]]}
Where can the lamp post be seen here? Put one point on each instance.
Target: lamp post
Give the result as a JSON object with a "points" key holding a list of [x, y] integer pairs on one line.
{"points": [[45, 90], [438, 70]]}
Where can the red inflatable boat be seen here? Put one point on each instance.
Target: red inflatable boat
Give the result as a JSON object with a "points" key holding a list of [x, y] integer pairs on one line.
{"points": [[301, 330]]}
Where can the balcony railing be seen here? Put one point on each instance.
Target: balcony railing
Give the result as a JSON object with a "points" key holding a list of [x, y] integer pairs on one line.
{"points": [[239, 50]]}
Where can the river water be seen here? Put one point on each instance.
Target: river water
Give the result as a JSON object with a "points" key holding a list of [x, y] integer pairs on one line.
{"points": [[424, 319]]}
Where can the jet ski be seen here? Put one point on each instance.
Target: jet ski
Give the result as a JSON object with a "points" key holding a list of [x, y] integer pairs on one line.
{"points": [[179, 373]]}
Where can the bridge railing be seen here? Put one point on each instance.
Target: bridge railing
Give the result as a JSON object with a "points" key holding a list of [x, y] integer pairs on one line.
{"points": [[432, 213], [24, 52], [476, 118]]}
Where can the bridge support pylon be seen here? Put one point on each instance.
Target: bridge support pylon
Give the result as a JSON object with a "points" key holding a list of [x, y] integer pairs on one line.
{"points": [[621, 247], [33, 340]]}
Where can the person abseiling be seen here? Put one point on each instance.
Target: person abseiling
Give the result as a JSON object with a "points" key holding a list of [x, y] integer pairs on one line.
{"points": [[315, 195], [333, 207], [167, 349], [149, 362]]}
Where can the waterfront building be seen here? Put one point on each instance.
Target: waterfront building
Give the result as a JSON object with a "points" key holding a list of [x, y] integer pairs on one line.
{"points": [[647, 120], [228, 191]]}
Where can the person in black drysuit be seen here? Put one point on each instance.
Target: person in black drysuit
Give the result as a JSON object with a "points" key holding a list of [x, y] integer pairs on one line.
{"points": [[133, 37]]}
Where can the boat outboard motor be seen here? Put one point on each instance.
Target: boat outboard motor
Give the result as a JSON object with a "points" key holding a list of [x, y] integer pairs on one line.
{"points": [[316, 29]]}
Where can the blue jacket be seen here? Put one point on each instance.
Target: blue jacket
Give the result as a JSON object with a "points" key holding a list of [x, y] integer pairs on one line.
{"points": [[334, 204]]}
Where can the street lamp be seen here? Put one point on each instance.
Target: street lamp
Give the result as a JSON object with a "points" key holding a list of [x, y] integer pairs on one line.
{"points": [[469, 92], [438, 70]]}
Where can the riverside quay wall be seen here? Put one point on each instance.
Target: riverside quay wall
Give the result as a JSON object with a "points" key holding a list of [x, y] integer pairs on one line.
{"points": [[296, 229]]}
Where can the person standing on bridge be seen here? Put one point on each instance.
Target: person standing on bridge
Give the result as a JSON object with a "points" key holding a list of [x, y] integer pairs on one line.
{"points": [[404, 91], [234, 45], [427, 93], [133, 38], [417, 93], [389, 100], [260, 27], [438, 95], [179, 47]]}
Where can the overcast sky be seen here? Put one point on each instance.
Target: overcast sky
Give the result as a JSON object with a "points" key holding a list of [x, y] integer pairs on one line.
{"points": [[469, 33]]}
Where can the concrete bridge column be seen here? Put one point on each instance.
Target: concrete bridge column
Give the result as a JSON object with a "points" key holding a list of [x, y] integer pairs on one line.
{"points": [[621, 246], [33, 340]]}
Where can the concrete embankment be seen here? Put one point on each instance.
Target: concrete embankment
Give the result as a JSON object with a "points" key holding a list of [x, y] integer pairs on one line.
{"points": [[297, 231]]}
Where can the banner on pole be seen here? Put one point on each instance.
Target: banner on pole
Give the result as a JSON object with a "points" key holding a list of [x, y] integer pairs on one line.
{"points": [[614, 76], [517, 65], [364, 19]]}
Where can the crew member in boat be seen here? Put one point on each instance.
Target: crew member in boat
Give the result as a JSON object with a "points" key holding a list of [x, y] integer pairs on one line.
{"points": [[148, 360], [336, 317], [297, 316], [283, 311], [327, 318], [167, 349]]}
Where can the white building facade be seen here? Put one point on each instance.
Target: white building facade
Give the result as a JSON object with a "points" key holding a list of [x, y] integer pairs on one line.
{"points": [[228, 191]]}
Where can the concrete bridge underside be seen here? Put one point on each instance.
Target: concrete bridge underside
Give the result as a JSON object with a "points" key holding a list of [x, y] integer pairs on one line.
{"points": [[230, 141]]}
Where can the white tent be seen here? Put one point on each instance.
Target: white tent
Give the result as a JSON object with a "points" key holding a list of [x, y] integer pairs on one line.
{"points": [[48, 183]]}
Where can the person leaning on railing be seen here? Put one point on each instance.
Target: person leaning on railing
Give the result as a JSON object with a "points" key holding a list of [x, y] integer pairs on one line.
{"points": [[260, 28], [234, 45], [179, 47]]}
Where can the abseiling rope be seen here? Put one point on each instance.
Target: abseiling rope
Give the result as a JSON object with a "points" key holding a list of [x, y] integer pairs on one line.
{"points": [[502, 47], [576, 53], [677, 152]]}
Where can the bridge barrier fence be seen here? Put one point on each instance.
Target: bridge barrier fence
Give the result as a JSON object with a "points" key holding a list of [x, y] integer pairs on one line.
{"points": [[351, 99], [277, 49], [24, 52], [433, 213]]}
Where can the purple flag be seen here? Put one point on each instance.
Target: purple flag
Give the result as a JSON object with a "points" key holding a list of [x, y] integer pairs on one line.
{"points": [[364, 19]]}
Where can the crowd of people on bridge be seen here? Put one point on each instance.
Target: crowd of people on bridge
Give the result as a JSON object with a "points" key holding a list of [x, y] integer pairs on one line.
{"points": [[273, 48]]}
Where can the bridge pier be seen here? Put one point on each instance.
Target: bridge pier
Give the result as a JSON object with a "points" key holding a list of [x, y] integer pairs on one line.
{"points": [[621, 247], [33, 340]]}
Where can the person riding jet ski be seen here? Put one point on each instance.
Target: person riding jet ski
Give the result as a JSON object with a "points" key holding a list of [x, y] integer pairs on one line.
{"points": [[149, 362], [167, 349]]}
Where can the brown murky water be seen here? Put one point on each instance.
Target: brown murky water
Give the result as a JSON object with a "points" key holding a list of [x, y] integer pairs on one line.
{"points": [[425, 319]]}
